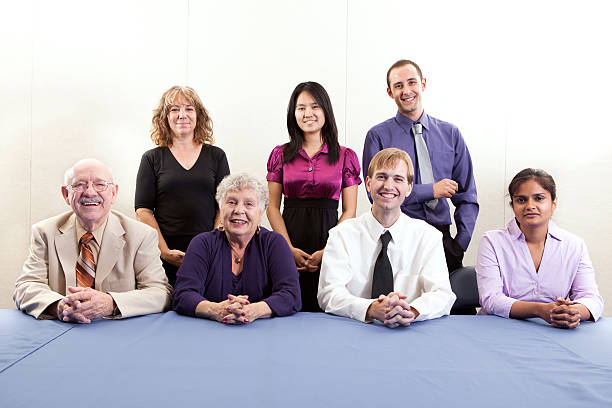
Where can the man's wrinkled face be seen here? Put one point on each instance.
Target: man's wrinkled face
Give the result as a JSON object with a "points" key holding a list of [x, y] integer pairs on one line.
{"points": [[90, 192]]}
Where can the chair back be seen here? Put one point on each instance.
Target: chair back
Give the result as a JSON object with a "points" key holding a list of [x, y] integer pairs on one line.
{"points": [[464, 285]]}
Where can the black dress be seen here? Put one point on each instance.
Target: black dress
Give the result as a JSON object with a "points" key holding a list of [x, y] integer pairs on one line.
{"points": [[182, 201], [308, 221]]}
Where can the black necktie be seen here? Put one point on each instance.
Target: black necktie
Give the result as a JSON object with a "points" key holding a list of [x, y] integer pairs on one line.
{"points": [[382, 279]]}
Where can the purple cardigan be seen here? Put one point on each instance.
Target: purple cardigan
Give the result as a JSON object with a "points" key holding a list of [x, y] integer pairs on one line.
{"points": [[269, 273]]}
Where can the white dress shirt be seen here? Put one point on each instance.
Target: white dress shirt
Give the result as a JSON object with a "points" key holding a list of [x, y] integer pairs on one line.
{"points": [[416, 256]]}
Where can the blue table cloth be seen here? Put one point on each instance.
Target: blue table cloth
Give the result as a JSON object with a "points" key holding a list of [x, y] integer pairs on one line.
{"points": [[310, 360]]}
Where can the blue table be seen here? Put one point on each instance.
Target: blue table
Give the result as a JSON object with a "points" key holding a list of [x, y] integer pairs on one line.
{"points": [[306, 360]]}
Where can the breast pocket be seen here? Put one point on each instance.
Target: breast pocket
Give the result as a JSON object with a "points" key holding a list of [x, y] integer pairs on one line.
{"points": [[442, 164]]}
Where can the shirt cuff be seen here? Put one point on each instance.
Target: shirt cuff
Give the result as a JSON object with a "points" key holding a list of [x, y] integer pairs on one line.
{"points": [[423, 192], [463, 239], [502, 306], [359, 308], [593, 306]]}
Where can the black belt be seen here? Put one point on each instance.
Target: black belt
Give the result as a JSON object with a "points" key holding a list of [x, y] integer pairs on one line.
{"points": [[326, 203]]}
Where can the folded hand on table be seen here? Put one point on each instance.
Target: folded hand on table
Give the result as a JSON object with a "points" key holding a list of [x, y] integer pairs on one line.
{"points": [[83, 305], [392, 310]]}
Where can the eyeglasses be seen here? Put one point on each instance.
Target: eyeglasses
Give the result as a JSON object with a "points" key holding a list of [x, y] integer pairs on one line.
{"points": [[82, 186]]}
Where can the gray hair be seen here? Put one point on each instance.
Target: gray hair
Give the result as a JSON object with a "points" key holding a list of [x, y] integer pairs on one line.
{"points": [[239, 182], [69, 173]]}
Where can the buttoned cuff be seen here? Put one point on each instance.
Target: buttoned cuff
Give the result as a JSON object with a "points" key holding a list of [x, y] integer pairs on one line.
{"points": [[502, 306], [423, 192], [593, 306], [359, 308], [463, 239]]}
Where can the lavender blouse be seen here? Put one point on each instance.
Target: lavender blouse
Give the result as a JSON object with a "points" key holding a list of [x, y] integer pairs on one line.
{"points": [[314, 177], [506, 272]]}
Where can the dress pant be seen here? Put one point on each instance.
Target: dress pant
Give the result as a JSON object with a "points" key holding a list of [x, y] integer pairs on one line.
{"points": [[454, 260]]}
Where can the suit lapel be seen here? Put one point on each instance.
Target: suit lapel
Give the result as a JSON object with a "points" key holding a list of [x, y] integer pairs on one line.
{"points": [[66, 250], [110, 249]]}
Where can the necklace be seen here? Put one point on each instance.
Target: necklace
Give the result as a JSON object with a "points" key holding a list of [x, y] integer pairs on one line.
{"points": [[237, 258]]}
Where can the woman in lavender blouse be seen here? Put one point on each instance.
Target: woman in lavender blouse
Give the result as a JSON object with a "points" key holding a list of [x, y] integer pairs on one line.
{"points": [[312, 171], [239, 272], [533, 268]]}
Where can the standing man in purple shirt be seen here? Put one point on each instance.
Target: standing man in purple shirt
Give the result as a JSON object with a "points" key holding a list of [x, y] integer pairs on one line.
{"points": [[443, 167]]}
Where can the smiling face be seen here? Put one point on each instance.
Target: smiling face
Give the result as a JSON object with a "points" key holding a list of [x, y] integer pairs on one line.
{"points": [[406, 88], [389, 187], [309, 114], [241, 214], [182, 117], [532, 204], [90, 206]]}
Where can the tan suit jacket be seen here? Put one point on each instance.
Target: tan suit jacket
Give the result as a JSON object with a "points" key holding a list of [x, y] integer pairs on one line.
{"points": [[128, 268]]}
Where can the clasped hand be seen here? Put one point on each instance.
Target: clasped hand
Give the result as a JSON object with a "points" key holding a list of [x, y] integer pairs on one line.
{"points": [[83, 305], [305, 262], [392, 310], [173, 257], [236, 310], [563, 314]]}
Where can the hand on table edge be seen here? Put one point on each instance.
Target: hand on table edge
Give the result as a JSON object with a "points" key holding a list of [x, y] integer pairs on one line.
{"points": [[392, 310]]}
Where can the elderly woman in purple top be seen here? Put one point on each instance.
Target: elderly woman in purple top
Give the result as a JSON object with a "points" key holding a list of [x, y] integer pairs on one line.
{"points": [[312, 171], [239, 272], [534, 268]]}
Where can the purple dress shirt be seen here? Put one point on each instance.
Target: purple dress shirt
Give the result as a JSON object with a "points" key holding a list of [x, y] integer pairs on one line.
{"points": [[506, 272], [269, 273], [314, 177], [450, 159]]}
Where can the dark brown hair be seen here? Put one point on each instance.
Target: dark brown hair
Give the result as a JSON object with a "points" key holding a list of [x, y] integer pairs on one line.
{"points": [[540, 176], [401, 63]]}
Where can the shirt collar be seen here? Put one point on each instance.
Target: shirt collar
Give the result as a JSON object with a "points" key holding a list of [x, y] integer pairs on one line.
{"points": [[323, 150], [98, 233], [553, 231], [376, 229], [406, 122]]}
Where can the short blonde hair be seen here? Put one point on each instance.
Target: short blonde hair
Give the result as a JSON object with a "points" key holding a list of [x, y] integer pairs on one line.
{"points": [[239, 182], [388, 158], [160, 129]]}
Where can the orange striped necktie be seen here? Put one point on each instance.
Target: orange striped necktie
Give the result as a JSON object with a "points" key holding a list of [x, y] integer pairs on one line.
{"points": [[85, 266]]}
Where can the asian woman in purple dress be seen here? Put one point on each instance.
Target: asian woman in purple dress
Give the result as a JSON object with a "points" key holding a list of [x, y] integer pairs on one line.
{"points": [[312, 171]]}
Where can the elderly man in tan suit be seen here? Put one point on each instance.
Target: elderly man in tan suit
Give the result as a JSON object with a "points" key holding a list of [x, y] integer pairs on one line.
{"points": [[91, 262]]}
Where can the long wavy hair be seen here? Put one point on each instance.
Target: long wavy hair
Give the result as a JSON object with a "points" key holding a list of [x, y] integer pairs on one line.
{"points": [[329, 132], [161, 134]]}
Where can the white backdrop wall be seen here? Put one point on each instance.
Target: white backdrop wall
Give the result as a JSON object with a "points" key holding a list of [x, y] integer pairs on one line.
{"points": [[527, 83]]}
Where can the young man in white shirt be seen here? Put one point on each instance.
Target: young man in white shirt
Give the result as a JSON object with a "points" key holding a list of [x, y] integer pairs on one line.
{"points": [[407, 281]]}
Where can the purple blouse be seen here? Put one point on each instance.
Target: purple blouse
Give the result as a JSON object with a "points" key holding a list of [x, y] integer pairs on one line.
{"points": [[268, 274], [313, 177], [506, 272]]}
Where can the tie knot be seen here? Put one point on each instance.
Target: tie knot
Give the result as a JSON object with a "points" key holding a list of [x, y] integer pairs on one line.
{"points": [[385, 239], [417, 128], [88, 236]]}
